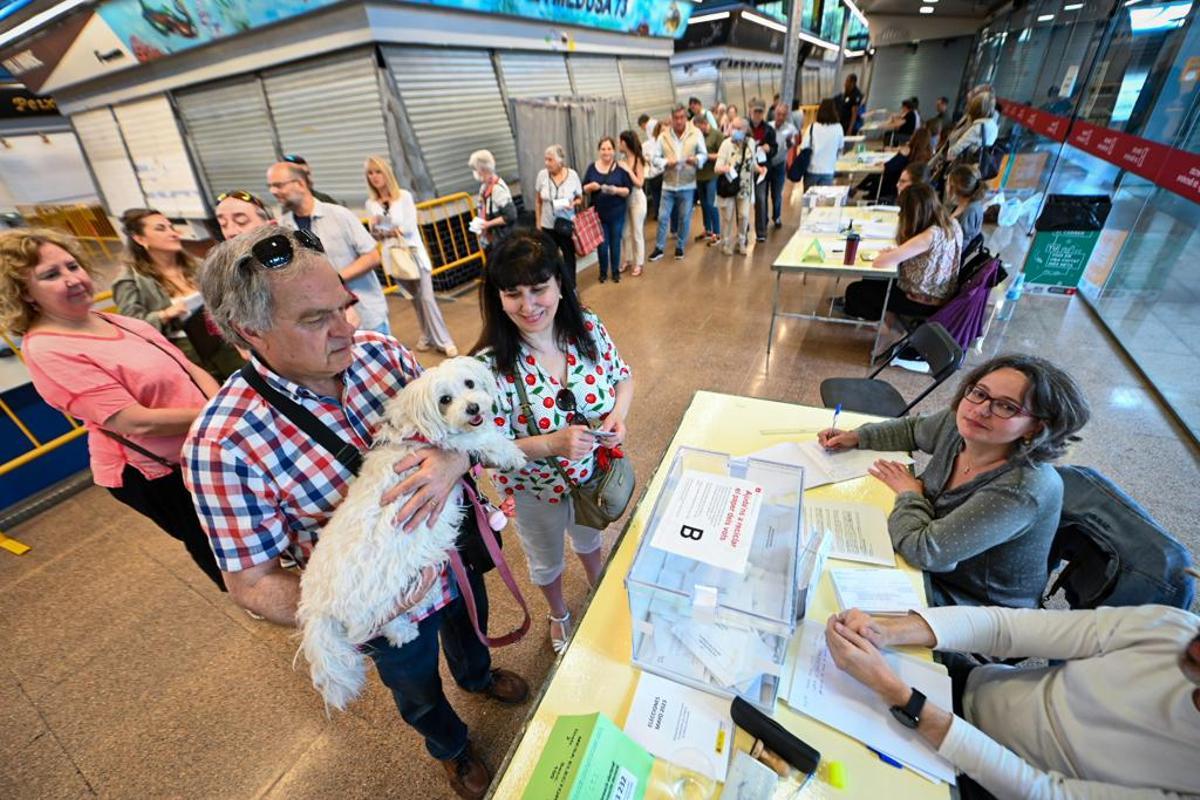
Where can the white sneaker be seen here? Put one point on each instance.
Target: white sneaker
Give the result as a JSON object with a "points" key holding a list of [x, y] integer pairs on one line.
{"points": [[450, 350]]}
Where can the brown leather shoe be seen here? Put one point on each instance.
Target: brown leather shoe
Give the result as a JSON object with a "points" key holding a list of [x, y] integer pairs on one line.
{"points": [[507, 687], [468, 775]]}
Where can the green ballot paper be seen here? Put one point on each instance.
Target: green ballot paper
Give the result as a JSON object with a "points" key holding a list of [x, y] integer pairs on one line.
{"points": [[587, 757]]}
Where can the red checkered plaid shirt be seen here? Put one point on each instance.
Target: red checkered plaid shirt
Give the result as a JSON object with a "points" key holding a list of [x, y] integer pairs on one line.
{"points": [[262, 486]]}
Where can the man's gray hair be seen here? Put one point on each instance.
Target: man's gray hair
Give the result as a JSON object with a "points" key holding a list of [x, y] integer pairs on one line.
{"points": [[238, 294]]}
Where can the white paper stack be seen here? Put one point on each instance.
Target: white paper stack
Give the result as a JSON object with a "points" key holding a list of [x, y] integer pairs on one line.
{"points": [[876, 591], [822, 467], [859, 530], [681, 725]]}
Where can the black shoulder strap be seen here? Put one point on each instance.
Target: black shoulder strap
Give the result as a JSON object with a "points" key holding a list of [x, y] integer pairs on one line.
{"points": [[305, 420]]}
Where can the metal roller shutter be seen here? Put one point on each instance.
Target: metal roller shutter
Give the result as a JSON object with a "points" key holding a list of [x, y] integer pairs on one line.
{"points": [[230, 129], [647, 85], [534, 74], [696, 80], [731, 86], [596, 76], [330, 112], [933, 70], [160, 158], [100, 138], [425, 77]]}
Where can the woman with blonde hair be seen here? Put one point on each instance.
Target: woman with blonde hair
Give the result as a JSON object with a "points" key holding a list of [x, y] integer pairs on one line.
{"points": [[135, 392], [393, 215], [159, 286]]}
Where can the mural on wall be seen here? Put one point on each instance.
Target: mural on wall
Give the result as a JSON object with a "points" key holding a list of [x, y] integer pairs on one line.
{"points": [[156, 28]]}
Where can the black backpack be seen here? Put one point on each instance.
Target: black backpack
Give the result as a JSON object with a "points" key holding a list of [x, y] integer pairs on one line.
{"points": [[1116, 554], [728, 187]]}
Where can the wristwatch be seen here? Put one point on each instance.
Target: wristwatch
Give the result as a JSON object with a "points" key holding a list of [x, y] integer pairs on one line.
{"points": [[909, 714]]}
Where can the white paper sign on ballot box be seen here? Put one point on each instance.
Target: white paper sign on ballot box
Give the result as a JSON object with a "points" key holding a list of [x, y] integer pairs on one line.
{"points": [[711, 518]]}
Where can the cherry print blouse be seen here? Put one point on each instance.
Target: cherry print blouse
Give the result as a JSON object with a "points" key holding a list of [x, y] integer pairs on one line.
{"points": [[594, 384]]}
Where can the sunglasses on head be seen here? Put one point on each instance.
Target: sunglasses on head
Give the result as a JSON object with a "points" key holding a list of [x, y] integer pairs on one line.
{"points": [[292, 158], [244, 196], [276, 252]]}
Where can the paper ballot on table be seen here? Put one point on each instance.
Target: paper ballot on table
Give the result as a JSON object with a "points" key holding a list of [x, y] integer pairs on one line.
{"points": [[859, 530], [825, 693], [710, 518], [821, 467], [684, 726], [876, 591]]}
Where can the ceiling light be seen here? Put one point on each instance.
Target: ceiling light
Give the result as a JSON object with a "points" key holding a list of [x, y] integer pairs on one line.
{"points": [[854, 53], [856, 12], [808, 37], [713, 17], [1131, 2], [1072, 6], [38, 20], [926, 9], [929, 1], [766, 23], [1045, 18]]}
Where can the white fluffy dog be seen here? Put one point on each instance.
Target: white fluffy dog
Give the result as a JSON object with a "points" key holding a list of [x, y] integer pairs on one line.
{"points": [[364, 564]]}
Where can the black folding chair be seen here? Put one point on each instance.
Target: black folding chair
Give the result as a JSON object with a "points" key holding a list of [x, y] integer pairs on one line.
{"points": [[870, 395]]}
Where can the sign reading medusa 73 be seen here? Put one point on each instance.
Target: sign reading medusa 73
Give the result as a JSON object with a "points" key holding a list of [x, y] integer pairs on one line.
{"points": [[155, 28]]}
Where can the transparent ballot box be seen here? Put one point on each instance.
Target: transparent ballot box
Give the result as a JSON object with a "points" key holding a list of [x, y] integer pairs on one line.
{"points": [[715, 590]]}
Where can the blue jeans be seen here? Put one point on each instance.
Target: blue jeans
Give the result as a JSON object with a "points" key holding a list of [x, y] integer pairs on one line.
{"points": [[776, 177], [675, 201], [411, 671], [610, 249], [818, 179], [708, 206]]}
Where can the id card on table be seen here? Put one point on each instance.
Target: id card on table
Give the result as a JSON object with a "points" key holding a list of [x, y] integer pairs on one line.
{"points": [[711, 518]]}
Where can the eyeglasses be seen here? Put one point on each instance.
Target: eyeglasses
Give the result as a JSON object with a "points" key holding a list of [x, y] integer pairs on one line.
{"points": [[1004, 409], [565, 400], [243, 195], [276, 252]]}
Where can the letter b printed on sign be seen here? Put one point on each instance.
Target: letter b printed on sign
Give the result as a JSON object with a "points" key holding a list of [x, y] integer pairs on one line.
{"points": [[688, 532]]}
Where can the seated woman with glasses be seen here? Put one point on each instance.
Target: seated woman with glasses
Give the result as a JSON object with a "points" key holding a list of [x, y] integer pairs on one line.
{"points": [[563, 392], [981, 517]]}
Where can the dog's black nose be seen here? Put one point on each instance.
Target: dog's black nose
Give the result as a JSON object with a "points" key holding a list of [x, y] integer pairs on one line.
{"points": [[472, 409]]}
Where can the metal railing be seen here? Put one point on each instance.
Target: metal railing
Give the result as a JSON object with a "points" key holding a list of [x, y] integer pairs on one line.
{"points": [[458, 260], [88, 224]]}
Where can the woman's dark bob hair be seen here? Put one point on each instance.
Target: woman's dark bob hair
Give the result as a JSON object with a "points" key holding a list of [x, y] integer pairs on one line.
{"points": [[1054, 398], [527, 258]]}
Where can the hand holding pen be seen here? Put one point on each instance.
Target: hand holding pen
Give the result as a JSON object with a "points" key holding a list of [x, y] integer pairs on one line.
{"points": [[836, 441]]}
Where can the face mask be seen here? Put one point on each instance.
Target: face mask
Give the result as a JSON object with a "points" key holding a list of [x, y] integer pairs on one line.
{"points": [[738, 136]]}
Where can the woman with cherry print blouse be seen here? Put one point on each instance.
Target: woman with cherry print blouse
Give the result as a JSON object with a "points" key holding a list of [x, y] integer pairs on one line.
{"points": [[571, 372]]}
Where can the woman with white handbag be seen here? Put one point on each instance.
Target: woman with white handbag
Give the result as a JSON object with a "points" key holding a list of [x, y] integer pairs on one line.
{"points": [[393, 215]]}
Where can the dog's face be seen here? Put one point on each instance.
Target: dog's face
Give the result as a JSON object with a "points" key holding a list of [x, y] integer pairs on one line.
{"points": [[453, 397]]}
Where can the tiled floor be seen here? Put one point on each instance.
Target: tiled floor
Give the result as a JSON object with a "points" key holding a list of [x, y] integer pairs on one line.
{"points": [[125, 675]]}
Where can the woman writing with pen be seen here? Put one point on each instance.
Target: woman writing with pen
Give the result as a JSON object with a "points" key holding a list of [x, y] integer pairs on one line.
{"points": [[981, 517]]}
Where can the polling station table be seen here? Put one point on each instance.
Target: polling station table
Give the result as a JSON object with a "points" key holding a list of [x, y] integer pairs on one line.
{"points": [[866, 162], [594, 673], [826, 225]]}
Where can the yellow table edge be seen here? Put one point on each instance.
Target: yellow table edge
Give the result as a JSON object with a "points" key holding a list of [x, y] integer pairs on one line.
{"points": [[604, 639]]}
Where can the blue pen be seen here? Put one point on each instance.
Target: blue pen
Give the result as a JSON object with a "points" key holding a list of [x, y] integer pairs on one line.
{"points": [[887, 759], [837, 410]]}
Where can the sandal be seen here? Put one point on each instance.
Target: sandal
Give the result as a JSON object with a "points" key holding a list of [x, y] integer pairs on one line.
{"points": [[637, 271], [559, 643]]}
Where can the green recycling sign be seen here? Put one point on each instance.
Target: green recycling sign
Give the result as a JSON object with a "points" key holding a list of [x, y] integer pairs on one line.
{"points": [[1057, 259]]}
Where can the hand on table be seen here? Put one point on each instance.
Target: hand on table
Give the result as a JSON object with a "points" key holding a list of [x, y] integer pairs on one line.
{"points": [[865, 625], [896, 476], [861, 660], [836, 441]]}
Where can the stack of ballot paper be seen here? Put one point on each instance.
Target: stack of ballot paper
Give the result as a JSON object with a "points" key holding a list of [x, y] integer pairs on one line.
{"points": [[684, 726], [876, 591], [822, 467], [825, 693], [859, 530]]}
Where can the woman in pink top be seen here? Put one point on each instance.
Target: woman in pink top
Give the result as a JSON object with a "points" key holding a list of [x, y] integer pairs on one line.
{"points": [[136, 392]]}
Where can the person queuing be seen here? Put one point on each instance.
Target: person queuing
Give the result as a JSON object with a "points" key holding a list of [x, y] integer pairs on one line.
{"points": [[633, 242], [697, 111], [559, 194], [655, 163], [263, 487], [942, 109], [239, 211], [731, 114], [156, 286], [308, 178], [394, 222], [1115, 714], [736, 162], [849, 104], [706, 182], [786, 135], [135, 392], [928, 255], [981, 517], [765, 148], [494, 202], [683, 153], [980, 129], [347, 244], [826, 138], [965, 193], [609, 186], [542, 344]]}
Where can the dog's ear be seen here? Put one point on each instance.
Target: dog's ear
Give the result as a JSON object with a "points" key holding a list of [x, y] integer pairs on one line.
{"points": [[419, 410]]}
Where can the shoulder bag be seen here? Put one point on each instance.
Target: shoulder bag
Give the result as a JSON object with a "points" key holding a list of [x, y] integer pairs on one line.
{"points": [[729, 187], [475, 530], [799, 159], [606, 495], [563, 226]]}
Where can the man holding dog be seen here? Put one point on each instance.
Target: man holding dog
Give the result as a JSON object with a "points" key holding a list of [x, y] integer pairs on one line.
{"points": [[264, 487]]}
